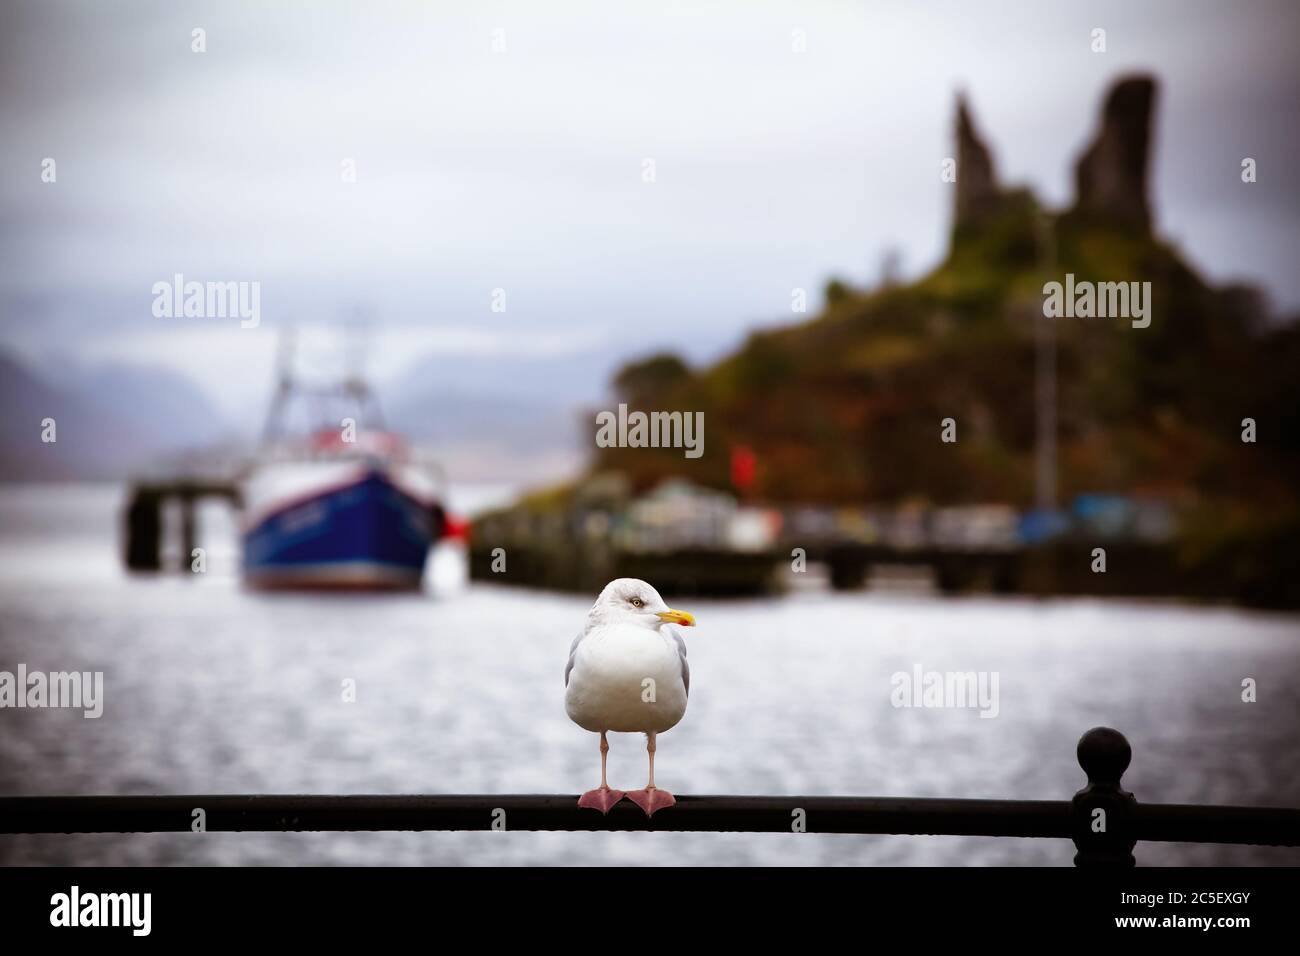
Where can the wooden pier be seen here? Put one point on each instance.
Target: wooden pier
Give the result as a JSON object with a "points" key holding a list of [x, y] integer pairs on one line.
{"points": [[144, 518]]}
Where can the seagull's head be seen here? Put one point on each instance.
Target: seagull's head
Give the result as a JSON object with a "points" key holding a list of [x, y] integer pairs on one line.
{"points": [[632, 601]]}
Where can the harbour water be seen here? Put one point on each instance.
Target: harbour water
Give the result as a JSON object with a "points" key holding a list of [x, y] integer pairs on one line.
{"points": [[212, 689]]}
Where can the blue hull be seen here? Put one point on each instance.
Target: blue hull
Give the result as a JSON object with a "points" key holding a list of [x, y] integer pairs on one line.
{"points": [[368, 534]]}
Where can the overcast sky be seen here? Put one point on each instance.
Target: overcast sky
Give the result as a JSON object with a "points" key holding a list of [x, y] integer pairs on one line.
{"points": [[523, 169]]}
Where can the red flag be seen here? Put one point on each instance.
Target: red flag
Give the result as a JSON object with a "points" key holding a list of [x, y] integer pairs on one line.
{"points": [[743, 462]]}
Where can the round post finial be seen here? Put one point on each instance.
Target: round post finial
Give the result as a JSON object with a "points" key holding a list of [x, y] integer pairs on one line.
{"points": [[1102, 810], [1104, 754]]}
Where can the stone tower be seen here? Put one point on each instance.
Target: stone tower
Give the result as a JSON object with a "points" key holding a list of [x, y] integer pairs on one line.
{"points": [[978, 195], [1111, 175]]}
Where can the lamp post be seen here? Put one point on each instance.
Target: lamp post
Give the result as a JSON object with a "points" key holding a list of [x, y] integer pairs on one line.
{"points": [[1045, 379]]}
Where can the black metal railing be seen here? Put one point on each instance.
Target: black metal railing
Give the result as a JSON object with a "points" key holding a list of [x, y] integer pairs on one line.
{"points": [[1104, 821]]}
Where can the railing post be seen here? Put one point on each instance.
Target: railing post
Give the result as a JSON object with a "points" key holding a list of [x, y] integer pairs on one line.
{"points": [[1103, 812]]}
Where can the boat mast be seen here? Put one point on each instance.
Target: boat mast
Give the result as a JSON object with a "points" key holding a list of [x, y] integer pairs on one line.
{"points": [[284, 387]]}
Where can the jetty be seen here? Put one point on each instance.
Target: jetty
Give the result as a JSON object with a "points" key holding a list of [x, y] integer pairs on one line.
{"points": [[144, 525]]}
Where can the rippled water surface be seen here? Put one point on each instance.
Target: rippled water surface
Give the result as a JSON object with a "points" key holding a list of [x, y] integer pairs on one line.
{"points": [[210, 689]]}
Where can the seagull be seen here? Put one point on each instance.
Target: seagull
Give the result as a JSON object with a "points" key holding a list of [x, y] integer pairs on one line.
{"points": [[627, 673]]}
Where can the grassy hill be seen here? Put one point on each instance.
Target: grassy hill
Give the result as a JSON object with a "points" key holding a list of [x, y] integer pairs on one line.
{"points": [[846, 407]]}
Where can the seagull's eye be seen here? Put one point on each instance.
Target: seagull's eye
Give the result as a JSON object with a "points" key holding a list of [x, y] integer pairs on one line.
{"points": [[637, 602]]}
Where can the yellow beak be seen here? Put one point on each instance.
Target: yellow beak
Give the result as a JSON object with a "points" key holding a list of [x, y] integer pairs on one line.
{"points": [[684, 618]]}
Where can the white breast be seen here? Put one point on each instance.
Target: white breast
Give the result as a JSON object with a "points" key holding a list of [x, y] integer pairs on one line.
{"points": [[626, 678]]}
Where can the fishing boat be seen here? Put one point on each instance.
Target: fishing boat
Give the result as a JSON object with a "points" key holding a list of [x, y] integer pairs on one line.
{"points": [[341, 505]]}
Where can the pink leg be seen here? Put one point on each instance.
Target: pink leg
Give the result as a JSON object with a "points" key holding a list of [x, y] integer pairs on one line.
{"points": [[602, 798], [651, 798]]}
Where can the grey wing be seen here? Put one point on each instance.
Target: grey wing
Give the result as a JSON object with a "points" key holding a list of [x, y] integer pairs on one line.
{"points": [[681, 655], [573, 651]]}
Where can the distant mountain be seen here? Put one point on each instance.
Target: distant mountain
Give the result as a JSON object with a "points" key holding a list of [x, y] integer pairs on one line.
{"points": [[479, 435], [113, 421], [480, 417], [179, 414], [566, 378]]}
